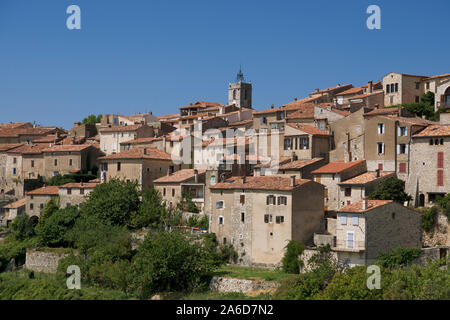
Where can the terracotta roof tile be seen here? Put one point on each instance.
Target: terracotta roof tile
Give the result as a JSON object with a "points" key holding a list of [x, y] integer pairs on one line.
{"points": [[142, 140], [337, 167], [47, 190], [379, 111], [362, 96], [355, 90], [298, 164], [179, 176], [308, 129], [366, 178], [67, 147], [358, 206], [6, 147], [138, 153], [28, 149], [79, 185], [434, 131], [260, 183], [17, 204], [133, 127]]}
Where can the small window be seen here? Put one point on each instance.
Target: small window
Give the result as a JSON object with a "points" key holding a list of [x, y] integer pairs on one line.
{"points": [[56, 162], [348, 192], [31, 206], [355, 220], [350, 239], [164, 191], [118, 166], [220, 204], [402, 167], [279, 219], [343, 219], [70, 162], [267, 218], [41, 206], [242, 217], [69, 191], [32, 163], [81, 191], [221, 220], [213, 180], [14, 160], [381, 128], [270, 199], [242, 199], [173, 192], [282, 200]]}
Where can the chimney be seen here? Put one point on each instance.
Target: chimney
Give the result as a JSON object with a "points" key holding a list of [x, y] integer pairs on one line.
{"points": [[365, 203], [370, 86], [145, 151], [376, 106], [243, 179], [293, 157], [81, 183], [292, 182], [295, 99], [317, 90], [271, 107], [378, 173], [195, 175]]}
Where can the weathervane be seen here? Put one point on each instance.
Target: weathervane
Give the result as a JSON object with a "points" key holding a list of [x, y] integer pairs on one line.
{"points": [[240, 75]]}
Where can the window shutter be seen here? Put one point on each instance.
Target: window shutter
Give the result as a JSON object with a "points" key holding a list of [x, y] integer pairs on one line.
{"points": [[355, 221], [440, 160], [383, 148], [406, 131], [344, 219], [406, 149], [398, 149], [399, 131], [440, 178], [379, 129]]}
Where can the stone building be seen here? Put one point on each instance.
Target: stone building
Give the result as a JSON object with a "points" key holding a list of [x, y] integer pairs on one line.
{"points": [[66, 159], [240, 92], [260, 215], [143, 165], [111, 137], [74, 194], [12, 210], [367, 228], [289, 167], [38, 198], [331, 175], [357, 188], [185, 181], [305, 142], [26, 135], [150, 142], [387, 142], [429, 175]]}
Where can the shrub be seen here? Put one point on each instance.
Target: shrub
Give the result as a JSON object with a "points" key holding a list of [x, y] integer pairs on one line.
{"points": [[53, 231], [169, 262], [150, 210], [291, 262], [429, 219], [390, 188], [398, 257], [22, 227], [444, 202], [113, 202]]}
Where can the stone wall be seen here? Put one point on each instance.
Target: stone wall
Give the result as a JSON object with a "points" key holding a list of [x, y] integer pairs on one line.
{"points": [[240, 285], [432, 254], [43, 261]]}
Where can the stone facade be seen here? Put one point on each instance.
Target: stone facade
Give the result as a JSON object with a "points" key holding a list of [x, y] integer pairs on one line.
{"points": [[223, 284], [42, 261]]}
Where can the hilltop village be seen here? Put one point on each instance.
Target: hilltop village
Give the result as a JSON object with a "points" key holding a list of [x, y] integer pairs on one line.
{"points": [[301, 171]]}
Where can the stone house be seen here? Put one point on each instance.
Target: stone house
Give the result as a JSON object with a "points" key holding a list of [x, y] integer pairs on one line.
{"points": [[111, 137], [66, 159], [429, 175], [403, 88], [143, 165], [260, 215], [85, 130], [357, 188], [367, 228], [110, 120], [387, 142], [38, 198], [74, 194], [333, 173], [306, 142], [289, 167], [26, 135], [149, 142], [185, 181], [348, 137], [325, 115], [12, 210]]}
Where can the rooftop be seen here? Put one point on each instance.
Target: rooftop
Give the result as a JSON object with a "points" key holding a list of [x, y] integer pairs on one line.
{"points": [[17, 204], [337, 167], [179, 176], [260, 183], [79, 185], [308, 129], [46, 190], [357, 207], [434, 131], [138, 153], [142, 140], [67, 147], [298, 164], [365, 178], [133, 127]]}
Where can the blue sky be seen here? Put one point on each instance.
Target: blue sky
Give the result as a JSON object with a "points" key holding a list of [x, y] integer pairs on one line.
{"points": [[137, 56]]}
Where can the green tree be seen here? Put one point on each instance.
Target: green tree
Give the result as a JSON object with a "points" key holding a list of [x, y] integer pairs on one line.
{"points": [[114, 202], [168, 261], [429, 218], [398, 257], [390, 188], [50, 208], [22, 227], [92, 119], [291, 262], [186, 204], [150, 212], [53, 231]]}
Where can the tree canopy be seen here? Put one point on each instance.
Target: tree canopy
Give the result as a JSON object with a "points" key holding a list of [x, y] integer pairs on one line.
{"points": [[390, 188]]}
